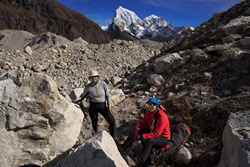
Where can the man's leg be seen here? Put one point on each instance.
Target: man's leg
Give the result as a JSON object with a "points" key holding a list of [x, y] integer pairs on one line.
{"points": [[128, 142], [109, 118], [93, 113], [149, 144]]}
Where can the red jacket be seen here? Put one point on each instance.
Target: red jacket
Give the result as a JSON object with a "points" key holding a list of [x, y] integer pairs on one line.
{"points": [[161, 128]]}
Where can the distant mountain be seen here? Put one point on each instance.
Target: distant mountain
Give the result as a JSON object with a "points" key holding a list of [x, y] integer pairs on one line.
{"points": [[39, 16], [180, 29], [152, 27]]}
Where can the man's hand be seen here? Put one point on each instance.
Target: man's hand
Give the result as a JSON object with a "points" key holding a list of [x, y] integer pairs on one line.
{"points": [[136, 135], [74, 101], [139, 137]]}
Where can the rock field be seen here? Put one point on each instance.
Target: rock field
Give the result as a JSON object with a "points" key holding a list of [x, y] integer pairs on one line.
{"points": [[199, 85]]}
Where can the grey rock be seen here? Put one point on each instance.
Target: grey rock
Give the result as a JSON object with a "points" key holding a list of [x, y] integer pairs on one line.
{"points": [[236, 25], [167, 62], [115, 80], [76, 93], [245, 41], [34, 113], [117, 95], [199, 55], [236, 151], [98, 151], [155, 80], [231, 38], [28, 50], [183, 155]]}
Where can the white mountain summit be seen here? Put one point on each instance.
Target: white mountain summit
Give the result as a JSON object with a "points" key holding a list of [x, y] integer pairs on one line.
{"points": [[152, 27]]}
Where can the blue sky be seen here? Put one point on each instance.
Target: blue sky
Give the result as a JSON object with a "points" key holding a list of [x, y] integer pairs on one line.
{"points": [[178, 12]]}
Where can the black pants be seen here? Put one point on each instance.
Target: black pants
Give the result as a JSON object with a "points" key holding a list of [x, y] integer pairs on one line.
{"points": [[101, 108], [147, 144], [152, 143]]}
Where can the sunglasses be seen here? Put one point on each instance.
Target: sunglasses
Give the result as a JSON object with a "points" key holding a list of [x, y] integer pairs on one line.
{"points": [[152, 104], [93, 76]]}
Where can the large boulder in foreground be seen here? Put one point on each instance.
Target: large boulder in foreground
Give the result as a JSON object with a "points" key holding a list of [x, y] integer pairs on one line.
{"points": [[98, 151], [236, 139], [36, 123]]}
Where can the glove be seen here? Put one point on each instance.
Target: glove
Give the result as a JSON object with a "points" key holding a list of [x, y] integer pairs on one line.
{"points": [[135, 136], [110, 111], [139, 137]]}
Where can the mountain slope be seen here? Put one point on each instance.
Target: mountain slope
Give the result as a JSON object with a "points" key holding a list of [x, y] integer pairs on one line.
{"points": [[38, 16], [211, 31]]}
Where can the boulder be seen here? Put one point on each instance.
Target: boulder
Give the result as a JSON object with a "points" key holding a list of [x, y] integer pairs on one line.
{"points": [[167, 62], [236, 25], [183, 155], [115, 80], [245, 41], [236, 139], [199, 55], [28, 50], [231, 38], [76, 93], [117, 95], [155, 80], [211, 49], [98, 151], [36, 123]]}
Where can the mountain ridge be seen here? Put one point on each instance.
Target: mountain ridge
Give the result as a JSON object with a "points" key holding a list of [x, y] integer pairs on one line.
{"points": [[49, 16]]}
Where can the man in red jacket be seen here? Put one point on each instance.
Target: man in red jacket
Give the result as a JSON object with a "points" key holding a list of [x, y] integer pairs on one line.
{"points": [[153, 130]]}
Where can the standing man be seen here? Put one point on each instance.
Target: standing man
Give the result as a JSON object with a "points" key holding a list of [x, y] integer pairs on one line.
{"points": [[100, 102]]}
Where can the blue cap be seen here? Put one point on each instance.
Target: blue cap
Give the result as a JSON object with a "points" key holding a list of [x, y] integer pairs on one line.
{"points": [[154, 100]]}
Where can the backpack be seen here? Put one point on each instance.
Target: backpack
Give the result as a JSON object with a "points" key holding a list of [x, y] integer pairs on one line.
{"points": [[179, 135]]}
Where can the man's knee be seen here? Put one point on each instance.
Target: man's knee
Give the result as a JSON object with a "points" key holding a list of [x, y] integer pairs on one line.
{"points": [[149, 142]]}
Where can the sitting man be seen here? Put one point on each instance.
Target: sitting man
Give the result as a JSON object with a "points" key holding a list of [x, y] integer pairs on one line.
{"points": [[153, 130]]}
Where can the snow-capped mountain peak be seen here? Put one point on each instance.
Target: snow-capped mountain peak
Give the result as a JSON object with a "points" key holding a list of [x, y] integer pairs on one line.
{"points": [[152, 27], [159, 21], [151, 17], [126, 16], [124, 19]]}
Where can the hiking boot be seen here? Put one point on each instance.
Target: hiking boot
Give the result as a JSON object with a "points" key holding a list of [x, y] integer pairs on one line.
{"points": [[138, 161], [130, 161], [120, 147]]}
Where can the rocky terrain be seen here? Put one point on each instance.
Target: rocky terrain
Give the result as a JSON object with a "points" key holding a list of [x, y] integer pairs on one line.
{"points": [[201, 77]]}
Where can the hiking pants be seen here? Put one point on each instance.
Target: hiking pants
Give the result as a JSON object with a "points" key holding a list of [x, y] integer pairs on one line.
{"points": [[152, 143], [101, 108]]}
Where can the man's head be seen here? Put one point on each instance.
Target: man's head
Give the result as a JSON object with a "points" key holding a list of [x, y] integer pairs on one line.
{"points": [[93, 76], [153, 104]]}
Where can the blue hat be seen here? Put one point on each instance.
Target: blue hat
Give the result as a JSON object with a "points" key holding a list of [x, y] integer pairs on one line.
{"points": [[154, 100]]}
